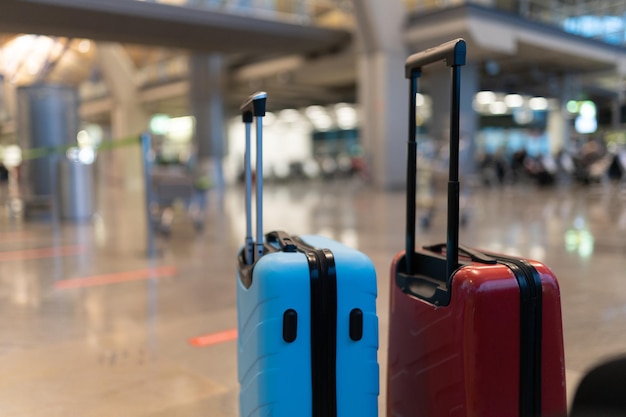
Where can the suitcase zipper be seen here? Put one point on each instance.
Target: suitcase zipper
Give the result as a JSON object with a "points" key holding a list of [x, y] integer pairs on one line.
{"points": [[530, 333], [323, 328]]}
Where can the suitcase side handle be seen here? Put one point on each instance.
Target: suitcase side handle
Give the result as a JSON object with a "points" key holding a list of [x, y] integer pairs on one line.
{"points": [[431, 284], [473, 254], [284, 240]]}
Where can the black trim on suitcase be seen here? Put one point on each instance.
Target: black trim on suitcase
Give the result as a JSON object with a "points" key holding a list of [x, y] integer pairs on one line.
{"points": [[323, 328], [531, 332]]}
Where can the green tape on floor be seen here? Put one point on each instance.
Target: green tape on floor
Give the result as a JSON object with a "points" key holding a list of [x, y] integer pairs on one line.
{"points": [[35, 153]]}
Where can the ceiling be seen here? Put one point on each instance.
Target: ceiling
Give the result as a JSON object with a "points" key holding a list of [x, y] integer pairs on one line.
{"points": [[311, 65], [202, 29], [157, 35]]}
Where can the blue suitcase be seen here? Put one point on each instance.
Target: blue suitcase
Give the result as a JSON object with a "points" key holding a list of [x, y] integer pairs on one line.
{"points": [[307, 324]]}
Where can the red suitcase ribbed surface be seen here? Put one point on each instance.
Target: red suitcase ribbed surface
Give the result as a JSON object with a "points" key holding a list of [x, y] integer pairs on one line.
{"points": [[463, 359]]}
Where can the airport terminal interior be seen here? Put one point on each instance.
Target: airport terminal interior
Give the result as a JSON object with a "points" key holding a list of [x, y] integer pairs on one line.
{"points": [[122, 192]]}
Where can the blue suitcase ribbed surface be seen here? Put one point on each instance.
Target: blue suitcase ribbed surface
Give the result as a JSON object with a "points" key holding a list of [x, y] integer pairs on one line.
{"points": [[275, 376]]}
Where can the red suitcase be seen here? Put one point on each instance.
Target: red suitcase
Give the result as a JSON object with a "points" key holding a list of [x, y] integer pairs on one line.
{"points": [[476, 335]]}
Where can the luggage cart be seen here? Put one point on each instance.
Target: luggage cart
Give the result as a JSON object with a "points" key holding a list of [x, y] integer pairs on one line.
{"points": [[173, 187]]}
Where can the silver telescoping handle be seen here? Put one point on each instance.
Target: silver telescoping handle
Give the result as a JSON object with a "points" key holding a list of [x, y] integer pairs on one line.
{"points": [[254, 107], [259, 187], [249, 244]]}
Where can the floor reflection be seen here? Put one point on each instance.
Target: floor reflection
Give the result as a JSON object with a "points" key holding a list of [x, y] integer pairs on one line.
{"points": [[66, 342]]}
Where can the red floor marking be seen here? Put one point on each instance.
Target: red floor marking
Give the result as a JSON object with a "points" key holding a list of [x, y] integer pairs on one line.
{"points": [[115, 278], [40, 253], [214, 338]]}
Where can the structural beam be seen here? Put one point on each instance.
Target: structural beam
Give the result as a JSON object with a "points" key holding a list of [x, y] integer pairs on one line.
{"points": [[165, 25]]}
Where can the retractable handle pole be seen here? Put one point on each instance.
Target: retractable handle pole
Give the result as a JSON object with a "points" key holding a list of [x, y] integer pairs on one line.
{"points": [[249, 243], [453, 53], [411, 172], [255, 106]]}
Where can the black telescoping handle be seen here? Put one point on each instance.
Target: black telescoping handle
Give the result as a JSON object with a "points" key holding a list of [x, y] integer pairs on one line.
{"points": [[454, 54], [254, 107]]}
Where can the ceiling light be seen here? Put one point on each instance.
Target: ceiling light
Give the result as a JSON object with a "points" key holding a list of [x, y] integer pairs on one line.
{"points": [[513, 100], [485, 97], [322, 122], [572, 106], [498, 107], [346, 116], [84, 46], [538, 103], [419, 99], [313, 111], [588, 109], [289, 115], [269, 119]]}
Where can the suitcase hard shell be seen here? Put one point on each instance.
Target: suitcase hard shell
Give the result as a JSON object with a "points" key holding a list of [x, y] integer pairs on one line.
{"points": [[465, 359], [479, 335], [307, 324], [276, 375]]}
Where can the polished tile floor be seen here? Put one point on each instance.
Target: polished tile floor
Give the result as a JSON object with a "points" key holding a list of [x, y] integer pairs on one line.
{"points": [[92, 327]]}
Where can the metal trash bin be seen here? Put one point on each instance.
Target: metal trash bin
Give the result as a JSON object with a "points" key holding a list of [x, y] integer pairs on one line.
{"points": [[75, 190]]}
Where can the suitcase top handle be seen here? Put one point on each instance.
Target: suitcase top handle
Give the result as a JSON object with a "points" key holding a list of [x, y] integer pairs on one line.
{"points": [[254, 107], [453, 53]]}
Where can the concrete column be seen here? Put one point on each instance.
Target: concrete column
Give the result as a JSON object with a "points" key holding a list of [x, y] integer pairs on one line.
{"points": [[207, 79], [382, 89], [128, 117], [383, 98]]}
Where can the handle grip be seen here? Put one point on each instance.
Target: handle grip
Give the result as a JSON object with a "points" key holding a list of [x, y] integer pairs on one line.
{"points": [[473, 254], [453, 52], [254, 106], [284, 240]]}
